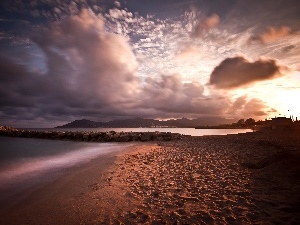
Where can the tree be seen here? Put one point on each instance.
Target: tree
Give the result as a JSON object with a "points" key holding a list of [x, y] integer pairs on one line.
{"points": [[241, 122], [250, 122]]}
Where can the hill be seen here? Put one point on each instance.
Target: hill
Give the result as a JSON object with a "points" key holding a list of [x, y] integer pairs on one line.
{"points": [[140, 122]]}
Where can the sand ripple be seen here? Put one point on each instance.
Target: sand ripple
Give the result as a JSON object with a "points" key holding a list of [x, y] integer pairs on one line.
{"points": [[207, 180]]}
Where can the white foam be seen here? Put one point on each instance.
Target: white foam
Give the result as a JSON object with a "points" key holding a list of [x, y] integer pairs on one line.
{"points": [[29, 168]]}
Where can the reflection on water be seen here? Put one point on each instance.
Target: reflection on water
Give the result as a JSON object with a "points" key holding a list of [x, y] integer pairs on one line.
{"points": [[185, 131], [26, 163]]}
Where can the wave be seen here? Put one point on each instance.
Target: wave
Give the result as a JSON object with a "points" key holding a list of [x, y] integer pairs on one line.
{"points": [[18, 171]]}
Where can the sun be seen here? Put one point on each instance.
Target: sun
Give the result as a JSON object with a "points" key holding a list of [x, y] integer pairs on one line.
{"points": [[280, 96], [288, 102]]}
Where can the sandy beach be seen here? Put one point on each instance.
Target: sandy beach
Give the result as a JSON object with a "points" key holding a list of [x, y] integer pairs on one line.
{"points": [[248, 178]]}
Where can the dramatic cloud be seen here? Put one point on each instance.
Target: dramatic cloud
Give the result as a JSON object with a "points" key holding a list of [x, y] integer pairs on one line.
{"points": [[274, 34], [204, 25], [102, 60], [244, 108], [87, 70], [170, 94], [92, 62], [90, 73], [238, 71]]}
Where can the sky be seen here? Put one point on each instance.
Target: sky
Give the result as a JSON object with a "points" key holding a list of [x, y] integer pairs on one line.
{"points": [[104, 60]]}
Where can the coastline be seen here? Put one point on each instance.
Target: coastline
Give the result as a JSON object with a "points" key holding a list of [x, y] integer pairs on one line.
{"points": [[66, 199], [233, 179]]}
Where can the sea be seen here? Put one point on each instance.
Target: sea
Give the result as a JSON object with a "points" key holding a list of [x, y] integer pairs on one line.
{"points": [[26, 164]]}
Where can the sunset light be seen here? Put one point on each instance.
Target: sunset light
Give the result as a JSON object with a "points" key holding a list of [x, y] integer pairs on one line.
{"points": [[149, 112], [62, 61]]}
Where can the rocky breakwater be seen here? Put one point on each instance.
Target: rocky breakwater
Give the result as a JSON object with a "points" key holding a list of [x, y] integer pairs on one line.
{"points": [[7, 129], [89, 136]]}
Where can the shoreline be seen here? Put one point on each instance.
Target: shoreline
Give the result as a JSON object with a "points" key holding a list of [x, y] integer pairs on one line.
{"points": [[57, 201], [92, 136], [232, 179]]}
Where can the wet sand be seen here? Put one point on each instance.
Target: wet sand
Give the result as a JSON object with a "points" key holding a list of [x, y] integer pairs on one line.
{"points": [[67, 200], [235, 179]]}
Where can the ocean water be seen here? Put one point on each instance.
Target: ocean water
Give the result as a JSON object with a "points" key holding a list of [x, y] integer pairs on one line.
{"points": [[27, 163], [185, 131]]}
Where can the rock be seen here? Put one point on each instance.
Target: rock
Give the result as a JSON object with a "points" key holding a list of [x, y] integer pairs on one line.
{"points": [[158, 222], [110, 136], [155, 194], [145, 137], [142, 217], [6, 128]]}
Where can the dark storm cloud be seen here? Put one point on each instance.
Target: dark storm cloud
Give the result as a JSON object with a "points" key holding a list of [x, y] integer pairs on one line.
{"points": [[238, 71], [17, 84], [88, 69], [170, 94], [90, 60], [92, 73]]}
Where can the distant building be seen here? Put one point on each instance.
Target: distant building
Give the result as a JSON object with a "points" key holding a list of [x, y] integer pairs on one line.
{"points": [[281, 123], [277, 123]]}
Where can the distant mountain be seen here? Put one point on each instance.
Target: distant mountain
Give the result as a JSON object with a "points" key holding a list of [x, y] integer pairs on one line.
{"points": [[81, 124], [140, 122]]}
